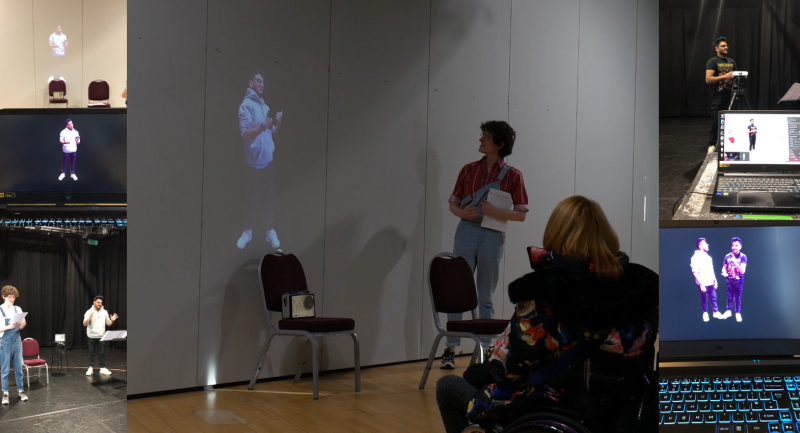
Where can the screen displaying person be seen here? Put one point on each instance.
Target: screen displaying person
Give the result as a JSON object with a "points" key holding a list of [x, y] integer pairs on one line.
{"points": [[752, 131], [95, 320], [70, 139], [257, 131], [58, 48], [719, 77], [10, 342], [705, 278], [483, 247], [733, 267]]}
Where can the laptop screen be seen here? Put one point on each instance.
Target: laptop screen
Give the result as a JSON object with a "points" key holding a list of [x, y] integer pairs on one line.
{"points": [[63, 156], [752, 138], [757, 298]]}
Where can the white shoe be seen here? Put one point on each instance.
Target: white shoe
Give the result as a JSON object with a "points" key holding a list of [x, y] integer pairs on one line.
{"points": [[73, 176], [89, 371], [711, 149], [705, 317], [272, 238], [50, 79], [246, 236], [104, 371], [61, 177], [727, 314], [738, 317], [718, 315]]}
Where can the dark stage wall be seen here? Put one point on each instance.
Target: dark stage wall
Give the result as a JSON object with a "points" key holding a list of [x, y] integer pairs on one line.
{"points": [[57, 279], [764, 39]]}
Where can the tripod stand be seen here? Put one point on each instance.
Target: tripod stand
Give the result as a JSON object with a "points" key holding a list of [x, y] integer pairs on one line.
{"points": [[738, 91]]}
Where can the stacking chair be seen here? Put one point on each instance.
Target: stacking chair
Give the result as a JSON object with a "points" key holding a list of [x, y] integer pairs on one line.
{"points": [[98, 91], [31, 359], [452, 289], [57, 86], [280, 273]]}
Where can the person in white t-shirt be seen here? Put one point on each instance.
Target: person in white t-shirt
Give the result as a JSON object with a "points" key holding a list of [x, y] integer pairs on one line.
{"points": [[95, 320], [58, 47], [706, 280], [10, 342], [70, 139]]}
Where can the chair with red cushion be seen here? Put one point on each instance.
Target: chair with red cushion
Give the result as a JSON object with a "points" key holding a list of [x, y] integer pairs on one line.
{"points": [[452, 289], [57, 86], [98, 91], [30, 359], [280, 273]]}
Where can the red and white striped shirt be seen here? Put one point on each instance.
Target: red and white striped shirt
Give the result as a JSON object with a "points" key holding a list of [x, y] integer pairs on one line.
{"points": [[476, 175]]}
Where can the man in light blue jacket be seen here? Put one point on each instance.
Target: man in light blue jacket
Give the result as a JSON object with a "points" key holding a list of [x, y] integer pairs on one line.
{"points": [[257, 131]]}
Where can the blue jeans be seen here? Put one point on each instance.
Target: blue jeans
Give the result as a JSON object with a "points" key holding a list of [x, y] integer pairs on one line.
{"points": [[11, 351], [483, 249]]}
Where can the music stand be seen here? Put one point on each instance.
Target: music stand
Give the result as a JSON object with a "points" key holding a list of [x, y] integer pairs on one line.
{"points": [[792, 95], [59, 352], [118, 336]]}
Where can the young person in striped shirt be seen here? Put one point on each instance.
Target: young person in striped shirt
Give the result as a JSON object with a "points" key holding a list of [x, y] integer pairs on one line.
{"points": [[483, 247]]}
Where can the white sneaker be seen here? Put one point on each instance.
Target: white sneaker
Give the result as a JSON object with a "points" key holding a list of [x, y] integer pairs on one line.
{"points": [[22, 396], [711, 149], [738, 317], [272, 238], [246, 236], [727, 314], [5, 398], [705, 317], [61, 177], [73, 176], [718, 315], [104, 371], [50, 79], [89, 371]]}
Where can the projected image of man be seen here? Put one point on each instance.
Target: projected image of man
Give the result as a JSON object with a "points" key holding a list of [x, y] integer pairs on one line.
{"points": [[58, 47], [95, 320], [733, 267], [703, 271], [719, 77], [70, 139], [752, 131], [257, 131]]}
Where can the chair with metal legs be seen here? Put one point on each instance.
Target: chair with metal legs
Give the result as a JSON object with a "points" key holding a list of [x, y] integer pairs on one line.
{"points": [[280, 273]]}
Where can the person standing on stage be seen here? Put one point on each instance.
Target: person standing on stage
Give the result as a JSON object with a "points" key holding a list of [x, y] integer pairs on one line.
{"points": [[703, 271], [70, 139], [482, 247], [733, 266], [58, 46], [719, 76], [752, 131], [96, 319], [10, 342], [257, 131]]}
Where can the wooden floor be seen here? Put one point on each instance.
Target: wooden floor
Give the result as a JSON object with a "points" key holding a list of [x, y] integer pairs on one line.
{"points": [[390, 401]]}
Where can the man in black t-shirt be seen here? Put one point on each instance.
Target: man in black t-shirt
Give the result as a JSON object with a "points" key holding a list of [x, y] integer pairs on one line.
{"points": [[719, 75], [752, 131]]}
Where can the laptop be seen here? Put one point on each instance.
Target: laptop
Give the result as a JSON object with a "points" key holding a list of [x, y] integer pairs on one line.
{"points": [[737, 371], [63, 168], [759, 162]]}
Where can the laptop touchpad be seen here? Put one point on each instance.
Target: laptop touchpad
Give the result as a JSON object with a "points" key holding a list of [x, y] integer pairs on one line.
{"points": [[755, 198]]}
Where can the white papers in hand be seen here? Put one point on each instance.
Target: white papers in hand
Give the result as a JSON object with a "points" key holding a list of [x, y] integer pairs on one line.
{"points": [[501, 200], [17, 317]]}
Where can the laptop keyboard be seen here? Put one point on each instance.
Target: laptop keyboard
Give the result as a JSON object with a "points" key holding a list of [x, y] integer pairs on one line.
{"points": [[63, 222], [730, 404], [769, 184]]}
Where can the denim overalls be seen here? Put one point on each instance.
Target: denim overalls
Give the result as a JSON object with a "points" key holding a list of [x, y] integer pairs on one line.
{"points": [[481, 248], [10, 350]]}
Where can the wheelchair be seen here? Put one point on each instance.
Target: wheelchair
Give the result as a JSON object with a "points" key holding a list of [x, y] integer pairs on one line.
{"points": [[619, 397]]}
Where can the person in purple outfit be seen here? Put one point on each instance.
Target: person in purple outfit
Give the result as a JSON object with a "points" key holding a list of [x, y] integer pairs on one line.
{"points": [[703, 271], [733, 266]]}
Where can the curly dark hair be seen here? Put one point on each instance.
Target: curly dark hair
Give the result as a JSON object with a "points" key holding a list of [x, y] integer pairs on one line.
{"points": [[720, 39], [502, 134]]}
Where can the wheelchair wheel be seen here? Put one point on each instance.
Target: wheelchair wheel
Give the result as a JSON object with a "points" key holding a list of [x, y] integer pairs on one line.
{"points": [[545, 422]]}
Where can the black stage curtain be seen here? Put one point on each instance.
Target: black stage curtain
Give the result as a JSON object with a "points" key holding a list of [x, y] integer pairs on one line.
{"points": [[57, 279], [764, 39]]}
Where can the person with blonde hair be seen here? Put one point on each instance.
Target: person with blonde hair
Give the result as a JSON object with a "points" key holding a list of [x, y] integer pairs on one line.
{"points": [[10, 342], [583, 293]]}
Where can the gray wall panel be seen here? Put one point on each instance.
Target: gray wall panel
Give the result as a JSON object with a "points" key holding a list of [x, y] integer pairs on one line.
{"points": [[165, 162], [606, 79], [290, 43], [376, 175]]}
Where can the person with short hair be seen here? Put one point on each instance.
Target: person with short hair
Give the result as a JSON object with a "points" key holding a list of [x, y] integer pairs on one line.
{"points": [[583, 292], [733, 267], [482, 247], [706, 280], [752, 131], [719, 78], [10, 342], [58, 46], [95, 320], [69, 139]]}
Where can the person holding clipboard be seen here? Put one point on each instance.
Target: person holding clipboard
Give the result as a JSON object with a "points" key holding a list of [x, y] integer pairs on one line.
{"points": [[10, 342], [482, 247]]}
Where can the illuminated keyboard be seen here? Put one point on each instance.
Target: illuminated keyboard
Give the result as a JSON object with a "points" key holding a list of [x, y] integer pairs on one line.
{"points": [[766, 184]]}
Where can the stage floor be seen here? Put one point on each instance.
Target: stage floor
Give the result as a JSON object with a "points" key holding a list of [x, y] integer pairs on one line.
{"points": [[72, 402], [682, 147]]}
